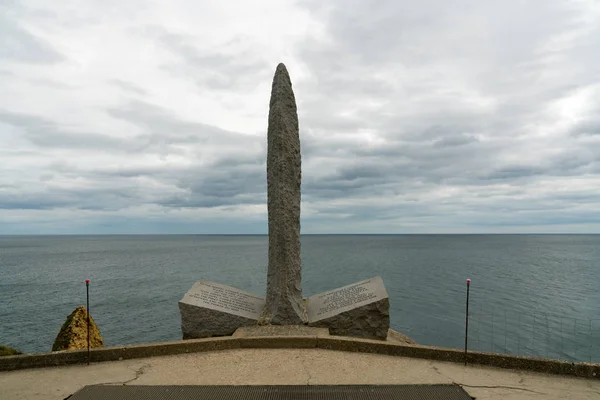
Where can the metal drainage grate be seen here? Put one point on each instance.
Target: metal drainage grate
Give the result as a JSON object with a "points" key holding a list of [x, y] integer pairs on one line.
{"points": [[292, 392]]}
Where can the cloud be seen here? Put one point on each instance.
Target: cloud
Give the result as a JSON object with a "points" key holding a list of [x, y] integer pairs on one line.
{"points": [[415, 117], [18, 44], [128, 87], [216, 69], [46, 133]]}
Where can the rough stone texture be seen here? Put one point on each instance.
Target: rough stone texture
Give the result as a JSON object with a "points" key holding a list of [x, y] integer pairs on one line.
{"points": [[198, 322], [210, 309], [394, 336], [367, 321], [73, 333], [284, 303]]}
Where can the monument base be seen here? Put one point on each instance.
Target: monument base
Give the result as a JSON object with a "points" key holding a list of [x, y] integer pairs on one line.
{"points": [[306, 331], [280, 330], [361, 310]]}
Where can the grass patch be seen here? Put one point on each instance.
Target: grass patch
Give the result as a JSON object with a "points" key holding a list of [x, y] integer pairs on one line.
{"points": [[8, 351]]}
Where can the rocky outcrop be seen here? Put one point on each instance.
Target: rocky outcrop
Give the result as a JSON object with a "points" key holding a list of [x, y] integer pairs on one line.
{"points": [[73, 333], [8, 351], [394, 336]]}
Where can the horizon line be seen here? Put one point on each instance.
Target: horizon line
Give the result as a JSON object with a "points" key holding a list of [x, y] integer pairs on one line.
{"points": [[302, 234]]}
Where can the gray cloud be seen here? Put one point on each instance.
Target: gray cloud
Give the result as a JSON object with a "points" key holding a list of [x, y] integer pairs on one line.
{"points": [[18, 44], [414, 117], [428, 132], [588, 127], [238, 177], [128, 87], [162, 130], [213, 69], [46, 133]]}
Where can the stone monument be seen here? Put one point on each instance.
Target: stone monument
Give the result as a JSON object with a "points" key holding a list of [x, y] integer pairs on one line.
{"points": [[212, 309], [285, 305]]}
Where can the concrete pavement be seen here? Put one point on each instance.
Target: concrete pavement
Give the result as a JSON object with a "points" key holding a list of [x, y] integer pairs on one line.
{"points": [[292, 366]]}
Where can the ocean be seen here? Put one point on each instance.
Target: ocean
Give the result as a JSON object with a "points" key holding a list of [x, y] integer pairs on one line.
{"points": [[533, 295]]}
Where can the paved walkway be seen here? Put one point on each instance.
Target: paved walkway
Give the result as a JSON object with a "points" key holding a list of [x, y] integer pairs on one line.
{"points": [[292, 366]]}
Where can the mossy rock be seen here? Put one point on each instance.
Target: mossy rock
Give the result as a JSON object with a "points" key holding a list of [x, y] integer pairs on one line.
{"points": [[398, 337], [73, 333], [8, 351]]}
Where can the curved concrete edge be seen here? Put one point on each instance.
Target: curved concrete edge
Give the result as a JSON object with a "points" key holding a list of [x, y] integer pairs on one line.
{"points": [[580, 369], [548, 366], [116, 353]]}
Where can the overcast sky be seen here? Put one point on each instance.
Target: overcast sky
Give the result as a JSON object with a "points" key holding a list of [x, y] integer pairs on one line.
{"points": [[426, 116]]}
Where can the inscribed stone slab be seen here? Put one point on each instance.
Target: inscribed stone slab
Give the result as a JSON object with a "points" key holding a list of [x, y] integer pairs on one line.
{"points": [[360, 309], [211, 309], [224, 298], [325, 305]]}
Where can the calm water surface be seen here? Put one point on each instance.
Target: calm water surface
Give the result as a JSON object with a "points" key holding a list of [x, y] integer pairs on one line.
{"points": [[530, 294]]}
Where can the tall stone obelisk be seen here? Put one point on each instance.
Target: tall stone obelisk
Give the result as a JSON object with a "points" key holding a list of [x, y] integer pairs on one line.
{"points": [[213, 309], [284, 303]]}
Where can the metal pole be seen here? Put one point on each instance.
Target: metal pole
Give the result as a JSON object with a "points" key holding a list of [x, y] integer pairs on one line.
{"points": [[87, 290], [467, 321]]}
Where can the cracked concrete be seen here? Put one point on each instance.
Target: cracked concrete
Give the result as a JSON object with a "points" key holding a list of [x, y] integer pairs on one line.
{"points": [[138, 372], [521, 380], [500, 387], [293, 366], [306, 370]]}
